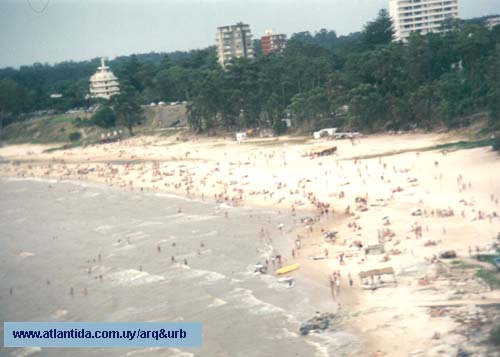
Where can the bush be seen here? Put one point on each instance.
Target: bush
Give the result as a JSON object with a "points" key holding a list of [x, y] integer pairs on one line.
{"points": [[495, 335], [496, 144], [279, 127], [104, 117], [490, 277], [80, 123], [75, 136]]}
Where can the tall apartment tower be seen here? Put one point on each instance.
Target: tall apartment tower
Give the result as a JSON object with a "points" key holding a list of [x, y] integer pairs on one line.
{"points": [[421, 16], [271, 42], [234, 42]]}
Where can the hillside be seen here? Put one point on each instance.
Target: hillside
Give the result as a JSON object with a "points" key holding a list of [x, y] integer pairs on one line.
{"points": [[57, 128], [363, 82], [168, 116]]}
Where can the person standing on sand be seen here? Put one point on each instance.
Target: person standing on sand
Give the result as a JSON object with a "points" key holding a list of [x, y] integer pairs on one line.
{"points": [[332, 284]]}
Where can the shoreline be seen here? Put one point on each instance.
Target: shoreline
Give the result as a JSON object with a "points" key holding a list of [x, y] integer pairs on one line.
{"points": [[351, 198], [313, 275], [139, 279], [280, 241]]}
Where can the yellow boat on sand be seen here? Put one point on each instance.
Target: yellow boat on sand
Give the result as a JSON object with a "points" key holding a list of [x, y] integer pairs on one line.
{"points": [[287, 269]]}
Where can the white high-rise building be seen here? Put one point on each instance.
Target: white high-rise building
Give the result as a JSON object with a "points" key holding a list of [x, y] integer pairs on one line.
{"points": [[234, 42], [421, 16], [493, 21], [103, 84]]}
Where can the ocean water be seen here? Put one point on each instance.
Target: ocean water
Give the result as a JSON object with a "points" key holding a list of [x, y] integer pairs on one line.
{"points": [[103, 243]]}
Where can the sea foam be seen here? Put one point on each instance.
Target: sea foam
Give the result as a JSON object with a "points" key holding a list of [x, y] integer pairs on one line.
{"points": [[132, 277]]}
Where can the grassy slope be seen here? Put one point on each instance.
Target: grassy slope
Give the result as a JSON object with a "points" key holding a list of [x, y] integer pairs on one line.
{"points": [[451, 146], [56, 128], [43, 130]]}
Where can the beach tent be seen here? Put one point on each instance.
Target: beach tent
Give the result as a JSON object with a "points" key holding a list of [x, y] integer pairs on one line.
{"points": [[370, 274], [375, 249]]}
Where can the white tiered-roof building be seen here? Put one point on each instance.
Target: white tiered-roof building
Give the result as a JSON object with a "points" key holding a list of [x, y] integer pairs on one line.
{"points": [[103, 84]]}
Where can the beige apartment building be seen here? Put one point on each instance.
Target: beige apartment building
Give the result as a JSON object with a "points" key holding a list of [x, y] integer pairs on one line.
{"points": [[421, 16], [234, 41]]}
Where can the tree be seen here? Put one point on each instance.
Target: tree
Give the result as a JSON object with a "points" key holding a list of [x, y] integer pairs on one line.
{"points": [[279, 127], [325, 38], [11, 99], [363, 79], [75, 136], [379, 31], [496, 147], [204, 107], [422, 106], [492, 66], [454, 95], [129, 72], [104, 117], [367, 109], [257, 48], [128, 110]]}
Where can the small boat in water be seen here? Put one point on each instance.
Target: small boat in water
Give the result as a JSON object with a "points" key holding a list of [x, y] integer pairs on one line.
{"points": [[287, 269]]}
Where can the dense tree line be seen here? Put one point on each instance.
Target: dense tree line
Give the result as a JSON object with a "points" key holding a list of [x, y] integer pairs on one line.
{"points": [[364, 81]]}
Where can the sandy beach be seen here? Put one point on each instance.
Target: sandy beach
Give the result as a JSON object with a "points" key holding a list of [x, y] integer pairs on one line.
{"points": [[380, 190]]}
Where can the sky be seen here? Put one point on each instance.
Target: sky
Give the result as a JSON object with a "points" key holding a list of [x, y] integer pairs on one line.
{"points": [[50, 31]]}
